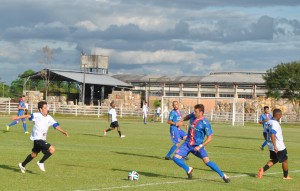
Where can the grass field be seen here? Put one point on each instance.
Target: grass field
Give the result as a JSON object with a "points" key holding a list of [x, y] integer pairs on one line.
{"points": [[87, 161]]}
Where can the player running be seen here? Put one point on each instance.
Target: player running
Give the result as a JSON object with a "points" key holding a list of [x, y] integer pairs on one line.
{"points": [[114, 122], [264, 118], [278, 152], [145, 112], [176, 133], [42, 121], [21, 111], [199, 128]]}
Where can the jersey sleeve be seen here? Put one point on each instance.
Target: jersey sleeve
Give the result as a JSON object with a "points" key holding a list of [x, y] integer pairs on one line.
{"points": [[261, 117], [275, 128], [32, 117], [110, 111], [53, 123], [171, 116], [208, 129]]}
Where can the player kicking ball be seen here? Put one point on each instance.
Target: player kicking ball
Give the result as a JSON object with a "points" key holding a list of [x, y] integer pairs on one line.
{"points": [[114, 122], [278, 152], [42, 121], [199, 128]]}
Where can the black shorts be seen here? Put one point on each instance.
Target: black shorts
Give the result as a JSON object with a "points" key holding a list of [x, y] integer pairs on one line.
{"points": [[40, 145], [114, 124], [281, 156]]}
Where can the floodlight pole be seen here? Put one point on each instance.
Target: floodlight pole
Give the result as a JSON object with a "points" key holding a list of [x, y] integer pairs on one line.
{"points": [[83, 85]]}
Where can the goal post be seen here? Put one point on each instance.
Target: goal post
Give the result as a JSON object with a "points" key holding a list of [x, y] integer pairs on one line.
{"points": [[217, 109]]}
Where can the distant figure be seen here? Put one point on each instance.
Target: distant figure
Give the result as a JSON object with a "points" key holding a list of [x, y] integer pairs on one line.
{"points": [[145, 112], [157, 113], [278, 152], [114, 122], [21, 111], [264, 118], [26, 106]]}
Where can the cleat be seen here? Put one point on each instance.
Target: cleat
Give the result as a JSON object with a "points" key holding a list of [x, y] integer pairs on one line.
{"points": [[104, 132], [260, 173], [168, 158], [26, 132], [287, 178], [186, 158], [190, 176], [23, 169], [7, 128], [261, 148], [41, 166], [122, 136], [226, 178]]}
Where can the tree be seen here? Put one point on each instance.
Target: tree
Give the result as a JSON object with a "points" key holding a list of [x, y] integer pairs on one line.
{"points": [[17, 85], [283, 81], [47, 58]]}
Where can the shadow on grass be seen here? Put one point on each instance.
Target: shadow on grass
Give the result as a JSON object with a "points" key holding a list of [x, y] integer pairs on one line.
{"points": [[233, 173], [238, 137], [148, 174], [93, 135], [13, 168], [238, 148], [140, 155]]}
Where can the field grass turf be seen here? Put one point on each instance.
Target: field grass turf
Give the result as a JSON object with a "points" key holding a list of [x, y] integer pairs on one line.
{"points": [[88, 161]]}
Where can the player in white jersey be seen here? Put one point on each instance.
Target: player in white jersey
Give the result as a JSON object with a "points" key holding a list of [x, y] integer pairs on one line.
{"points": [[145, 112], [114, 122], [42, 121], [278, 152]]}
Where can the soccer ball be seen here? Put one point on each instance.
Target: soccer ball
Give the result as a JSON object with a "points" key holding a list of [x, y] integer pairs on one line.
{"points": [[133, 175]]}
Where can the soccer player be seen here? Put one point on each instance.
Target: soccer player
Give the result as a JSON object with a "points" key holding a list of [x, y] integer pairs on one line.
{"points": [[176, 133], [114, 122], [157, 113], [21, 111], [42, 121], [278, 152], [145, 112], [199, 128], [264, 118]]}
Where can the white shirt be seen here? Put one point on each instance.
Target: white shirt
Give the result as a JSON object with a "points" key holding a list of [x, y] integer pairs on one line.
{"points": [[145, 109], [158, 110], [113, 114], [41, 126], [26, 105], [273, 127]]}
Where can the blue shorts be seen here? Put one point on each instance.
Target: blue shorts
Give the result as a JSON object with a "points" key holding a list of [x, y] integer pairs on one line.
{"points": [[176, 134], [185, 149]]}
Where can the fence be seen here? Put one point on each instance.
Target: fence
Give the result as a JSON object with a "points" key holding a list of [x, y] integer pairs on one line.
{"points": [[8, 108]]}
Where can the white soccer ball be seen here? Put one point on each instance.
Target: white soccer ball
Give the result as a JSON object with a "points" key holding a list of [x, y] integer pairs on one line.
{"points": [[133, 175]]}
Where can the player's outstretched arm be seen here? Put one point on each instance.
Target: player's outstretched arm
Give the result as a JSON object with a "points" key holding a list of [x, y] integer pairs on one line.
{"points": [[20, 117], [62, 131], [186, 118]]}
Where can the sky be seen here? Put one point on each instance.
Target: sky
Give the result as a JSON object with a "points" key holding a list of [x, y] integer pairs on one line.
{"points": [[157, 37]]}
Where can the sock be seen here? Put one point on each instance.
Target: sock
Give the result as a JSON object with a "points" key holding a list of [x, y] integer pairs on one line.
{"points": [[285, 173], [27, 160], [24, 127], [215, 168], [264, 144], [172, 149], [266, 167], [47, 154], [108, 130], [181, 163], [119, 133], [13, 123]]}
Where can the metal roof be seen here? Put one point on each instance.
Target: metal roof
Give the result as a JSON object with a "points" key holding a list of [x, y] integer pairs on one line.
{"points": [[131, 78], [77, 76]]}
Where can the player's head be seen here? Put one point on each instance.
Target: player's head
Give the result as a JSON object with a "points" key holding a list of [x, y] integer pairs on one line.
{"points": [[175, 105], [23, 97], [145, 103], [112, 104], [277, 114], [266, 109], [198, 110], [43, 107]]}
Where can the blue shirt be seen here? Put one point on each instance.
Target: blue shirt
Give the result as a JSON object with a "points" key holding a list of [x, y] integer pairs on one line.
{"points": [[198, 129], [175, 116], [21, 111], [263, 117]]}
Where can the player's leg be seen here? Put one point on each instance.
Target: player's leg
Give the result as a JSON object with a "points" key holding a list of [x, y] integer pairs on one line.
{"points": [[119, 130], [47, 150], [204, 156], [283, 158], [265, 142], [175, 138], [273, 160], [35, 150], [112, 127], [178, 158], [25, 126], [183, 136], [12, 124]]}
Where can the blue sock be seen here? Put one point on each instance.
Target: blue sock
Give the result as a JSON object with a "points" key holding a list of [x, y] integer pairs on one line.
{"points": [[181, 163], [264, 144], [13, 123], [172, 149], [215, 168], [24, 127]]}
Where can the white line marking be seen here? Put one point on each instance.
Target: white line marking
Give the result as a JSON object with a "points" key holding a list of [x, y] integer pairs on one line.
{"points": [[174, 182]]}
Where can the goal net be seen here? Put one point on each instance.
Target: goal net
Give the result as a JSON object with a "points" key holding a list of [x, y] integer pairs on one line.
{"points": [[217, 109]]}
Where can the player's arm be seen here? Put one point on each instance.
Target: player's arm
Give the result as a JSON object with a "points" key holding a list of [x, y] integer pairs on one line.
{"points": [[207, 140], [20, 117], [20, 107], [62, 131], [261, 120], [273, 139]]}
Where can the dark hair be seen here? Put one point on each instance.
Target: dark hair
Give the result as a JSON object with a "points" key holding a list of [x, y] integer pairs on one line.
{"points": [[266, 107], [23, 96], [200, 107], [276, 111], [111, 103], [41, 104], [175, 101]]}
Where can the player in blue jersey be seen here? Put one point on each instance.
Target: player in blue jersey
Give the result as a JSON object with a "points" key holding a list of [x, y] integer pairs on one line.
{"points": [[199, 128], [264, 118], [21, 111], [176, 133]]}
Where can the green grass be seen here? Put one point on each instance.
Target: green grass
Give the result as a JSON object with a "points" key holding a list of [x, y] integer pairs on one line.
{"points": [[88, 161]]}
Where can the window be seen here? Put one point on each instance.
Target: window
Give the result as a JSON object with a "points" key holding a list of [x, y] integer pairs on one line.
{"points": [[208, 95], [172, 94], [190, 94], [246, 96], [226, 95]]}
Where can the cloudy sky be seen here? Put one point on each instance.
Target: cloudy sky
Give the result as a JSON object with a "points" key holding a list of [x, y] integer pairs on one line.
{"points": [[160, 37]]}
